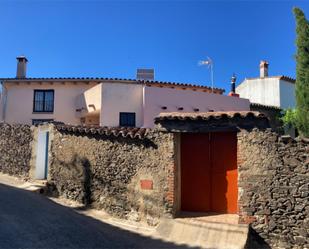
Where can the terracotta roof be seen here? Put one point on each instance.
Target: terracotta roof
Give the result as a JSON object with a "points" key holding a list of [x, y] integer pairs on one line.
{"points": [[64, 78], [130, 132], [100, 79], [208, 115], [264, 106], [287, 78], [182, 85], [280, 77]]}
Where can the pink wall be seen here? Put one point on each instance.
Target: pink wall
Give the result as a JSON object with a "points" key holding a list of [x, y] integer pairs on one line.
{"points": [[145, 101], [155, 98], [19, 103], [119, 97]]}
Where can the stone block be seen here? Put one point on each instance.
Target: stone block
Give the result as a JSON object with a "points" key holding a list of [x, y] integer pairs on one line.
{"points": [[146, 184]]}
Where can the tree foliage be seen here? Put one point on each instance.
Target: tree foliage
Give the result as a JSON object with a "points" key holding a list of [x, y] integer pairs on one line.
{"points": [[302, 73], [289, 118]]}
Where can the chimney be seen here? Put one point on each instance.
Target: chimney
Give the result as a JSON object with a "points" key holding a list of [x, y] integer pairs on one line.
{"points": [[263, 69], [145, 74], [232, 92], [21, 67]]}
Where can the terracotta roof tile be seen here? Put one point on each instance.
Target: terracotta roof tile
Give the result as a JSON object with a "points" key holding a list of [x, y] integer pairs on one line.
{"points": [[185, 85], [280, 77], [287, 78], [208, 115], [98, 79], [257, 105], [131, 132]]}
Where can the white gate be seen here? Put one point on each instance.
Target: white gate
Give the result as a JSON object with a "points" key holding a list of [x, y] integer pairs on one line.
{"points": [[41, 166]]}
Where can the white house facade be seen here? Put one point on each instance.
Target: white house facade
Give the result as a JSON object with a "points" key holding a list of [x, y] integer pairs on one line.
{"points": [[278, 91]]}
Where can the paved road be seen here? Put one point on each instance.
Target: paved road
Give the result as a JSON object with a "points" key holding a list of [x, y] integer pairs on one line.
{"points": [[28, 220]]}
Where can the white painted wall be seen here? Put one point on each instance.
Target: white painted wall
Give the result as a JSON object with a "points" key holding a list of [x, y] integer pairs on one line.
{"points": [[119, 97], [268, 91], [287, 95], [19, 102], [263, 91], [155, 98]]}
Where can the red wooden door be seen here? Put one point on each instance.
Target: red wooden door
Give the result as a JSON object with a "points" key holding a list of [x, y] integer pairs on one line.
{"points": [[209, 172], [195, 178], [224, 172]]}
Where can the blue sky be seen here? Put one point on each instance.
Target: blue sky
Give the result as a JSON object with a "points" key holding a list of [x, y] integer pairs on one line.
{"points": [[114, 38]]}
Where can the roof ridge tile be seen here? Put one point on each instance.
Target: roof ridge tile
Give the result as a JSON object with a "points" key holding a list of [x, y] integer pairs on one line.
{"points": [[132, 132]]}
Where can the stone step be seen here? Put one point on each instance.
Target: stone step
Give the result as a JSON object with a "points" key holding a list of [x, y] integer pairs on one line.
{"points": [[35, 186], [203, 233]]}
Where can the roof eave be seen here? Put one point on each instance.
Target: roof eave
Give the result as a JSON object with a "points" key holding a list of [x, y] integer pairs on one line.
{"points": [[99, 80]]}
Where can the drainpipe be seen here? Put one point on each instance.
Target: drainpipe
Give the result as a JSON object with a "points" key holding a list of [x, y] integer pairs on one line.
{"points": [[3, 100], [143, 106]]}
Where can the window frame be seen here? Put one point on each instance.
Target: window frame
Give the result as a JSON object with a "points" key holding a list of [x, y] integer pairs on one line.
{"points": [[127, 113], [41, 119], [44, 91]]}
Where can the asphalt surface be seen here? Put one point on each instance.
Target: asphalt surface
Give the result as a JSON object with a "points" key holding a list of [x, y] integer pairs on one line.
{"points": [[29, 220]]}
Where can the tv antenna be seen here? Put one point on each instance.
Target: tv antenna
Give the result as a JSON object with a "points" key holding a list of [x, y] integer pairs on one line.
{"points": [[209, 63]]}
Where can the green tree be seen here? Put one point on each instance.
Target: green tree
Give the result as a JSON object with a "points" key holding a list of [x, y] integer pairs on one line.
{"points": [[302, 73], [289, 118]]}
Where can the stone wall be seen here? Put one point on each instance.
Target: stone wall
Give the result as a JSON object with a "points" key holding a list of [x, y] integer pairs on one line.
{"points": [[15, 149], [124, 176], [273, 113], [274, 187], [132, 174]]}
